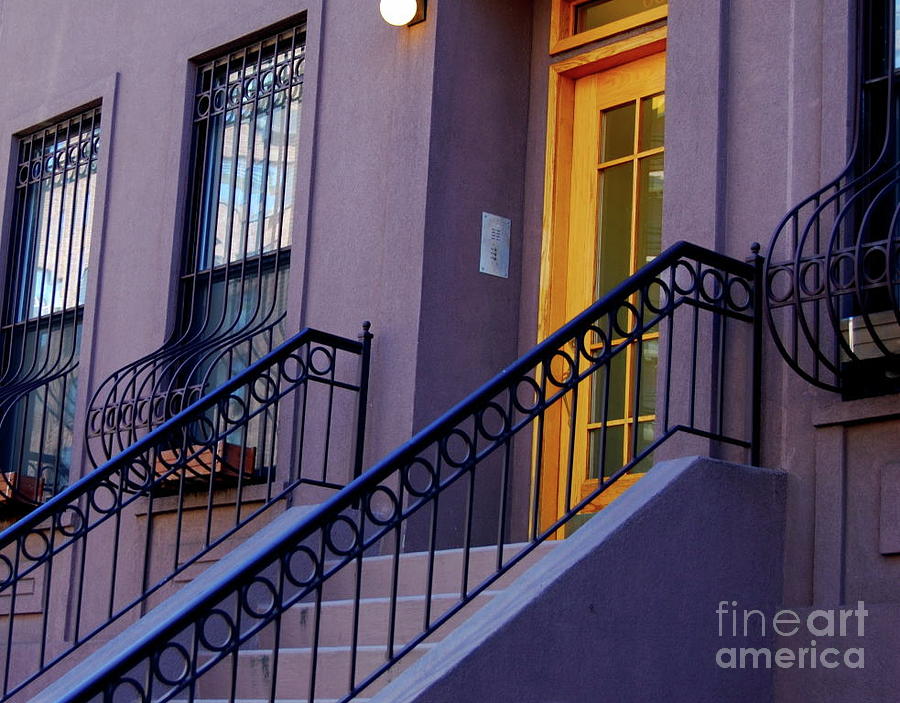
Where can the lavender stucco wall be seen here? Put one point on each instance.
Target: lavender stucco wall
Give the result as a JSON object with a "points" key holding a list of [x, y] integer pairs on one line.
{"points": [[365, 138], [468, 320]]}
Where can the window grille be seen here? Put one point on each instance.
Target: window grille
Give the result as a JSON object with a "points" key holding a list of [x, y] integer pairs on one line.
{"points": [[833, 265], [46, 283], [236, 248]]}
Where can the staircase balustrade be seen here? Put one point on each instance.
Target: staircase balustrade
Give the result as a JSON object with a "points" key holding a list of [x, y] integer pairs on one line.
{"points": [[546, 416], [109, 547]]}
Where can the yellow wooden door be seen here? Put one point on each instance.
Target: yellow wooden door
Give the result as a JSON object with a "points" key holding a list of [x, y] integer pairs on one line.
{"points": [[615, 227]]}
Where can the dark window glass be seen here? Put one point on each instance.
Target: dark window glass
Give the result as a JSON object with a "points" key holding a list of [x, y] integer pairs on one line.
{"points": [[870, 218]]}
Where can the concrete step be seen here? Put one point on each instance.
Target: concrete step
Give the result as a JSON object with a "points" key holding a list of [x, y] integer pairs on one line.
{"points": [[335, 626], [374, 615], [265, 700], [255, 672], [412, 572]]}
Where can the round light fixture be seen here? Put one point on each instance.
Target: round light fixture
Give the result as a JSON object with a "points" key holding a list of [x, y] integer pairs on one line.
{"points": [[399, 12]]}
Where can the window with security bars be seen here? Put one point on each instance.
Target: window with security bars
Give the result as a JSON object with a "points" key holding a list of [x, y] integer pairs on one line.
{"points": [[48, 250], [869, 222], [236, 250]]}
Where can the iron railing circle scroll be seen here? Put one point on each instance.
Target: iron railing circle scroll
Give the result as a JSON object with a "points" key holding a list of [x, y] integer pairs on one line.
{"points": [[468, 459], [92, 544]]}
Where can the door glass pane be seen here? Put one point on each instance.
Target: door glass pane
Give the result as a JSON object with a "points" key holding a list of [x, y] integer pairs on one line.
{"points": [[628, 235], [610, 458], [617, 132], [649, 365], [646, 435], [653, 122], [616, 407], [594, 14], [614, 226], [650, 194]]}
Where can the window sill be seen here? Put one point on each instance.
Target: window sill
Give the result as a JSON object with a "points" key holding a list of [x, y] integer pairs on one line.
{"points": [[856, 412], [222, 497]]}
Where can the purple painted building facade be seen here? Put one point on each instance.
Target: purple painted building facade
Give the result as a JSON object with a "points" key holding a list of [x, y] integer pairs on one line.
{"points": [[402, 140]]}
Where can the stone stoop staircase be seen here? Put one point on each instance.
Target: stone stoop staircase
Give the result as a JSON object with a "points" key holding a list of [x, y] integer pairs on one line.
{"points": [[282, 660], [289, 667]]}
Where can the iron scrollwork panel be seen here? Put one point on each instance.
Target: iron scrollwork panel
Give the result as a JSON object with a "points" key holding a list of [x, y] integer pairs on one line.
{"points": [[832, 274]]}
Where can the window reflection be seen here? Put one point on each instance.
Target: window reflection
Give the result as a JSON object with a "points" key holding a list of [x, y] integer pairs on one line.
{"points": [[249, 149], [896, 34]]}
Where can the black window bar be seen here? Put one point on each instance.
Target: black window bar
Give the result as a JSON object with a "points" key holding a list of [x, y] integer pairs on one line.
{"points": [[48, 251], [236, 254], [833, 264]]}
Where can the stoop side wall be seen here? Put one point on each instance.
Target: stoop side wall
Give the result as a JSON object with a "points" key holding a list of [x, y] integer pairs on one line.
{"points": [[625, 610]]}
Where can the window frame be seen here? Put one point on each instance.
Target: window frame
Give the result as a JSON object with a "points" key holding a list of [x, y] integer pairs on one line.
{"points": [[562, 25], [200, 329]]}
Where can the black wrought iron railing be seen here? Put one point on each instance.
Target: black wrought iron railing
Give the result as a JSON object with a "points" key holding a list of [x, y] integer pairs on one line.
{"points": [[103, 551], [832, 273], [451, 485]]}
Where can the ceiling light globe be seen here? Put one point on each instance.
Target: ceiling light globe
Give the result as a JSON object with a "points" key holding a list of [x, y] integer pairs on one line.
{"points": [[399, 12]]}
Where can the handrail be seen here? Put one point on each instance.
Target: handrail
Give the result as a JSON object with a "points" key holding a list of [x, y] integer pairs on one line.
{"points": [[164, 491], [526, 419]]}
